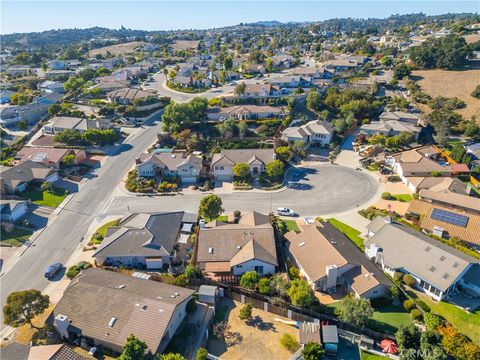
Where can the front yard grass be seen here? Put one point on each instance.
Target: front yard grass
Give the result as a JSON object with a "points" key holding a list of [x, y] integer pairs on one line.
{"points": [[403, 197], [16, 237], [465, 322], [291, 225], [348, 231], [99, 235], [46, 197]]}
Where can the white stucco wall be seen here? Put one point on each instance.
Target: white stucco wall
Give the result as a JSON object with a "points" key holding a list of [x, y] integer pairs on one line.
{"points": [[250, 266]]}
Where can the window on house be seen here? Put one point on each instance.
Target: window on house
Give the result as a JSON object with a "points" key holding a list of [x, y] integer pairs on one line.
{"points": [[259, 269]]}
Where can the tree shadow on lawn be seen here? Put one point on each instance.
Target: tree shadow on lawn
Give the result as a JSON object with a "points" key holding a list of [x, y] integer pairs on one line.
{"points": [[258, 323], [381, 326]]}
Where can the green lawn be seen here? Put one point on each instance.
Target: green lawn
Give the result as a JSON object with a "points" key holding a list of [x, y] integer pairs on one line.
{"points": [[102, 231], [403, 197], [45, 197], [466, 323], [16, 237], [368, 356], [291, 225], [348, 231], [386, 319]]}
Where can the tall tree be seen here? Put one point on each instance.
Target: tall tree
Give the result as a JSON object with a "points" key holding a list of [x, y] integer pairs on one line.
{"points": [[210, 207], [355, 311], [22, 306]]}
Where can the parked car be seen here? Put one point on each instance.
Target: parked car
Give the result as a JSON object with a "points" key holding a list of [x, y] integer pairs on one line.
{"points": [[53, 270], [285, 211]]}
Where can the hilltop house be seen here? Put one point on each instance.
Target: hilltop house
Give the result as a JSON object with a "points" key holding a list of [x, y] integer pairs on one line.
{"points": [[30, 113], [327, 259], [390, 128], [127, 96], [235, 248], [222, 164], [51, 157], [145, 240], [102, 308], [187, 167]]}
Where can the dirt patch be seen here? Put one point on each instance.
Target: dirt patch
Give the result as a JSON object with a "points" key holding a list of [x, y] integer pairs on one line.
{"points": [[471, 38], [25, 333], [185, 45], [451, 84], [257, 339], [118, 49]]}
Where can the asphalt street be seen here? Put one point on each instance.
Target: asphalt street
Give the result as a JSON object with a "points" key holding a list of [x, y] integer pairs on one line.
{"points": [[64, 233], [318, 189]]}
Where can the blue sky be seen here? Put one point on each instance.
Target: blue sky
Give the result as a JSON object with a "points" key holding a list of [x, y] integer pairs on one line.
{"points": [[26, 16]]}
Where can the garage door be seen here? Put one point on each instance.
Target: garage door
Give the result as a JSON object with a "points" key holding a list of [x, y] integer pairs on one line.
{"points": [[189, 179], [154, 263]]}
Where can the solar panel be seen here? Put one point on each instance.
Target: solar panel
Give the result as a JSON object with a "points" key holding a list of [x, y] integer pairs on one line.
{"points": [[449, 217]]}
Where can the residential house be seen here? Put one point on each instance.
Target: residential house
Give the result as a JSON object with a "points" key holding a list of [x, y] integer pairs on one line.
{"points": [[390, 128], [235, 248], [59, 74], [30, 113], [402, 116], [186, 167], [313, 72], [52, 87], [5, 96], [450, 184], [340, 65], [57, 64], [244, 112], [145, 240], [314, 132], [54, 352], [423, 161], [439, 269], [447, 214], [59, 123], [222, 164], [291, 81], [110, 84], [18, 70], [13, 210], [17, 178], [130, 72], [103, 308], [260, 90], [51, 157], [127, 96], [328, 260]]}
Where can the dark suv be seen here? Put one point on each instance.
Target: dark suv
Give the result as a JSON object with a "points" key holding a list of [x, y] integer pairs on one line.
{"points": [[53, 270]]}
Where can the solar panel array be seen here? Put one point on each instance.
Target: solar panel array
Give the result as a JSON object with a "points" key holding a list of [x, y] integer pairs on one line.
{"points": [[449, 217]]}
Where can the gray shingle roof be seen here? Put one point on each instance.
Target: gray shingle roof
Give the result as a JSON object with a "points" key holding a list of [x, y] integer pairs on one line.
{"points": [[143, 235], [419, 254]]}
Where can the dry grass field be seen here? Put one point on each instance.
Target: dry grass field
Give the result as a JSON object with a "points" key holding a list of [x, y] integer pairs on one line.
{"points": [[184, 44], [118, 49], [451, 84]]}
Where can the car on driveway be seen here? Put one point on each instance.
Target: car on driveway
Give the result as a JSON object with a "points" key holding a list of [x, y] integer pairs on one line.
{"points": [[283, 211], [53, 270]]}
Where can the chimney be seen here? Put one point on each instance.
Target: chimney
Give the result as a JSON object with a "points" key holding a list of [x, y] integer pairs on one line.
{"points": [[332, 274], [62, 323]]}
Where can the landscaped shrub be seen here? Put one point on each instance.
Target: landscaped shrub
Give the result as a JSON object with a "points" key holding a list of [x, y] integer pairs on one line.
{"points": [[83, 265], [394, 178], [432, 321], [409, 305], [397, 276], [72, 271], [289, 342], [181, 280], [387, 196], [249, 280], [422, 305], [293, 272], [416, 315], [245, 312], [202, 354], [409, 280], [264, 286]]}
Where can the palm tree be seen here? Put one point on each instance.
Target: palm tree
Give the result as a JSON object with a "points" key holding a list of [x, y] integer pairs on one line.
{"points": [[240, 89]]}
